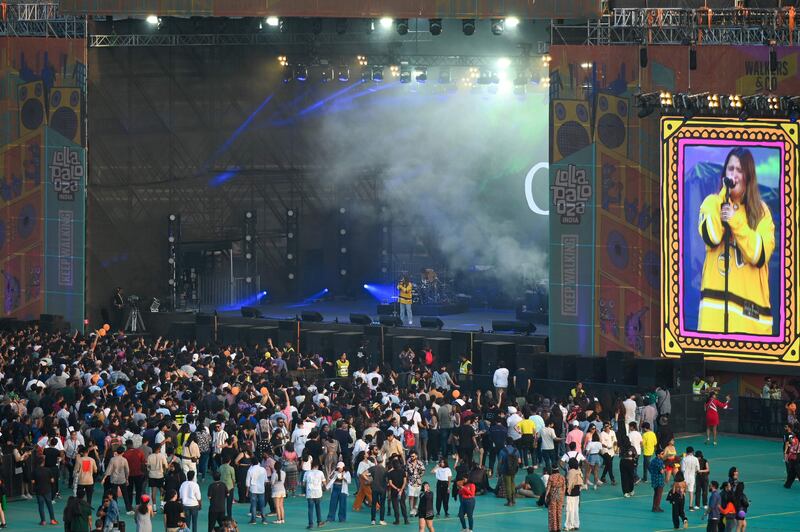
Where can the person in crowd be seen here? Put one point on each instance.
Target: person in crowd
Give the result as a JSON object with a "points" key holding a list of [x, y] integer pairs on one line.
{"points": [[425, 509], [397, 483], [466, 509], [217, 501], [256, 481], [713, 406], [338, 485], [279, 492], [677, 498], [689, 467], [379, 486], [173, 511], [144, 514], [575, 482], [701, 488], [42, 483], [608, 441], [742, 505], [443, 475], [191, 500], [554, 499], [649, 446], [712, 512], [315, 484], [657, 480]]}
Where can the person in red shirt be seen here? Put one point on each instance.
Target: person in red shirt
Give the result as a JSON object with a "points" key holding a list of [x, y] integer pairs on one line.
{"points": [[713, 406], [466, 490], [135, 459]]}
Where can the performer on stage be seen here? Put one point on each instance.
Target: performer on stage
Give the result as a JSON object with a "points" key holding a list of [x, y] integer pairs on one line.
{"points": [[118, 308], [405, 288], [752, 241]]}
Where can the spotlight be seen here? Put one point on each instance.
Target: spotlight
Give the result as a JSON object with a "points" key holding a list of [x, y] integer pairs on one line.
{"points": [[468, 26], [422, 74], [498, 25], [341, 26], [366, 286], [287, 74], [153, 20], [773, 103], [377, 74], [546, 58], [283, 60], [503, 63], [366, 74], [172, 217], [666, 99], [327, 74], [248, 214], [362, 60], [712, 101], [386, 22], [512, 22], [273, 22], [435, 25], [394, 70], [301, 73], [343, 73], [402, 26]]}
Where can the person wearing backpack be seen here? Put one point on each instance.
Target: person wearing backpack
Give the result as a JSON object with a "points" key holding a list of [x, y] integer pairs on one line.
{"points": [[509, 465]]}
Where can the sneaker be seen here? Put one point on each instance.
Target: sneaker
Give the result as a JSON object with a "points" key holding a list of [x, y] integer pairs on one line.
{"points": [[383, 523], [686, 524], [53, 522], [691, 508], [42, 523], [272, 514], [372, 523], [129, 512], [600, 482], [321, 524], [626, 494]]}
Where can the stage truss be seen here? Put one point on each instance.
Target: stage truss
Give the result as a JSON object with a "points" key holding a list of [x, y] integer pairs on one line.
{"points": [[727, 26], [41, 19]]}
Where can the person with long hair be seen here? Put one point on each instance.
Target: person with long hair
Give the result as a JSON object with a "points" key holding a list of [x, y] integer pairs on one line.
{"points": [[738, 209], [713, 406], [677, 497], [466, 510], [144, 511], [554, 499], [425, 508], [741, 504], [575, 481], [279, 492]]}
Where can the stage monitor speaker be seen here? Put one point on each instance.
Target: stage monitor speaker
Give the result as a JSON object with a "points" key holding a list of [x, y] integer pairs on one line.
{"points": [[311, 315], [441, 348], [50, 323], [360, 319], [591, 369], [30, 97], [251, 312], [513, 326], [391, 321], [287, 332], [208, 319], [561, 367], [348, 342], [620, 367], [431, 322], [572, 127], [656, 372], [462, 344], [690, 366], [65, 112], [495, 355]]}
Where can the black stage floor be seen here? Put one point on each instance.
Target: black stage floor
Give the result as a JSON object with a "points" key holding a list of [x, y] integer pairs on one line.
{"points": [[472, 320]]}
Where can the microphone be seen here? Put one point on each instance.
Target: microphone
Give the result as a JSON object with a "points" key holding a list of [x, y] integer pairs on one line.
{"points": [[728, 182]]}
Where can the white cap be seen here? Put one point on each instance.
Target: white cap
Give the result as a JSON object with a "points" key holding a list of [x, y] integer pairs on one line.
{"points": [[162, 402], [574, 423], [512, 410], [340, 465]]}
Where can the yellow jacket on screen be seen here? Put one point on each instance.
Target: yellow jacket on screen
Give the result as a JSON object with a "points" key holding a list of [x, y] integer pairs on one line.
{"points": [[748, 285]]}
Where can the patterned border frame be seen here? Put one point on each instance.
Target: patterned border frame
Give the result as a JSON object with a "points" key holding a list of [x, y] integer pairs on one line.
{"points": [[783, 134]]}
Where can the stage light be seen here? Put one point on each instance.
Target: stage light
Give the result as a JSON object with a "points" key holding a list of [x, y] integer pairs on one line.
{"points": [[273, 21], [287, 74], [342, 272], [435, 25], [172, 217], [497, 26], [587, 65], [386, 22], [291, 276], [153, 20], [343, 73], [366, 286], [735, 101], [283, 60], [283, 25], [377, 74], [512, 22], [546, 58], [248, 279], [326, 74], [468, 26], [712, 101], [666, 99], [484, 77], [290, 213], [301, 73], [362, 60], [773, 103], [366, 74], [503, 63], [341, 26], [421, 74], [402, 26]]}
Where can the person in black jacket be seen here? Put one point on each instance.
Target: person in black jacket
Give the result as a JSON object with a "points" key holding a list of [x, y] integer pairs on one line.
{"points": [[425, 508]]}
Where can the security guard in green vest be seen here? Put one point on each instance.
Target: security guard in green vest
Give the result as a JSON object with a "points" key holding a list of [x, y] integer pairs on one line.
{"points": [[465, 366], [698, 385], [343, 367]]}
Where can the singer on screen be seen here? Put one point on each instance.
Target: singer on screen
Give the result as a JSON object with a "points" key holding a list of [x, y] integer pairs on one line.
{"points": [[738, 210]]}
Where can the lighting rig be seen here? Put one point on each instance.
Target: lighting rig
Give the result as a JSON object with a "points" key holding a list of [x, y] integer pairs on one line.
{"points": [[691, 105]]}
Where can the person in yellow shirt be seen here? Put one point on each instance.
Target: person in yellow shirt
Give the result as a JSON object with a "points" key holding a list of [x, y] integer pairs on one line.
{"points": [[649, 444], [527, 443], [737, 209], [405, 289]]}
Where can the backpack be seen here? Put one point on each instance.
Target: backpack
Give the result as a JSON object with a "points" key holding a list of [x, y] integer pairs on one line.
{"points": [[409, 439], [512, 462]]}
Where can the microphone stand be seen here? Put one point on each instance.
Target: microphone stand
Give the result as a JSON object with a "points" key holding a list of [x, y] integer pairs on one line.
{"points": [[727, 259]]}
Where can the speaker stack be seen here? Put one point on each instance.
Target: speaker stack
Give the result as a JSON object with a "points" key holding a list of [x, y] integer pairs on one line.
{"points": [[621, 367], [495, 355], [591, 369], [562, 367], [572, 126], [656, 372]]}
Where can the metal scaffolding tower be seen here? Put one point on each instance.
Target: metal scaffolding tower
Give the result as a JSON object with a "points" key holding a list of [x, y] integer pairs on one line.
{"points": [[40, 19]]}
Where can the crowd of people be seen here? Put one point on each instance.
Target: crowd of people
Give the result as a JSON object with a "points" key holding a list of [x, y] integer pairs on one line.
{"points": [[146, 422]]}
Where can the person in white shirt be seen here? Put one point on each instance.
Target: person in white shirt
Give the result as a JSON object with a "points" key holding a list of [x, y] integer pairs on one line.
{"points": [[690, 465], [374, 379], [635, 438], [338, 485], [191, 499], [315, 480], [255, 483], [513, 419], [630, 409], [500, 382], [573, 452], [608, 439]]}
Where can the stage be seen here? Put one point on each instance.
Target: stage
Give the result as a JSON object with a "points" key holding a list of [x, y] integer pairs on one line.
{"points": [[471, 320]]}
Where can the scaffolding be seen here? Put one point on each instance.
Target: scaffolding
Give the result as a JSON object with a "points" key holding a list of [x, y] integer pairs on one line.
{"points": [[726, 26], [40, 19]]}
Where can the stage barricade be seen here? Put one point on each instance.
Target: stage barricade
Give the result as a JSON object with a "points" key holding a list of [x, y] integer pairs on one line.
{"points": [[762, 417]]}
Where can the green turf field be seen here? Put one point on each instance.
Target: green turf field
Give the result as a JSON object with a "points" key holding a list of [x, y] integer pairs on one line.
{"points": [[760, 463]]}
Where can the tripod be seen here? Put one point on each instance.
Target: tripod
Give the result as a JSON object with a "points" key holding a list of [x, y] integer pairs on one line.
{"points": [[134, 323]]}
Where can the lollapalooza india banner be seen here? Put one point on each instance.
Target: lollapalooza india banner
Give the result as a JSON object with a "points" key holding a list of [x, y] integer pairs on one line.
{"points": [[42, 178], [611, 265]]}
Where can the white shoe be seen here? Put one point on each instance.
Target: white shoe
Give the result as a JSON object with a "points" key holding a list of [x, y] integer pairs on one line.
{"points": [[383, 522], [373, 522]]}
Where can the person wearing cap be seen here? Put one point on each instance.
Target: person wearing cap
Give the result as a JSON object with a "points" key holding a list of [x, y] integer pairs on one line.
{"points": [[144, 512], [338, 485]]}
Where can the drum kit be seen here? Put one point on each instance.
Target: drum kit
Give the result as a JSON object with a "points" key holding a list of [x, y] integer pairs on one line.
{"points": [[432, 290]]}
